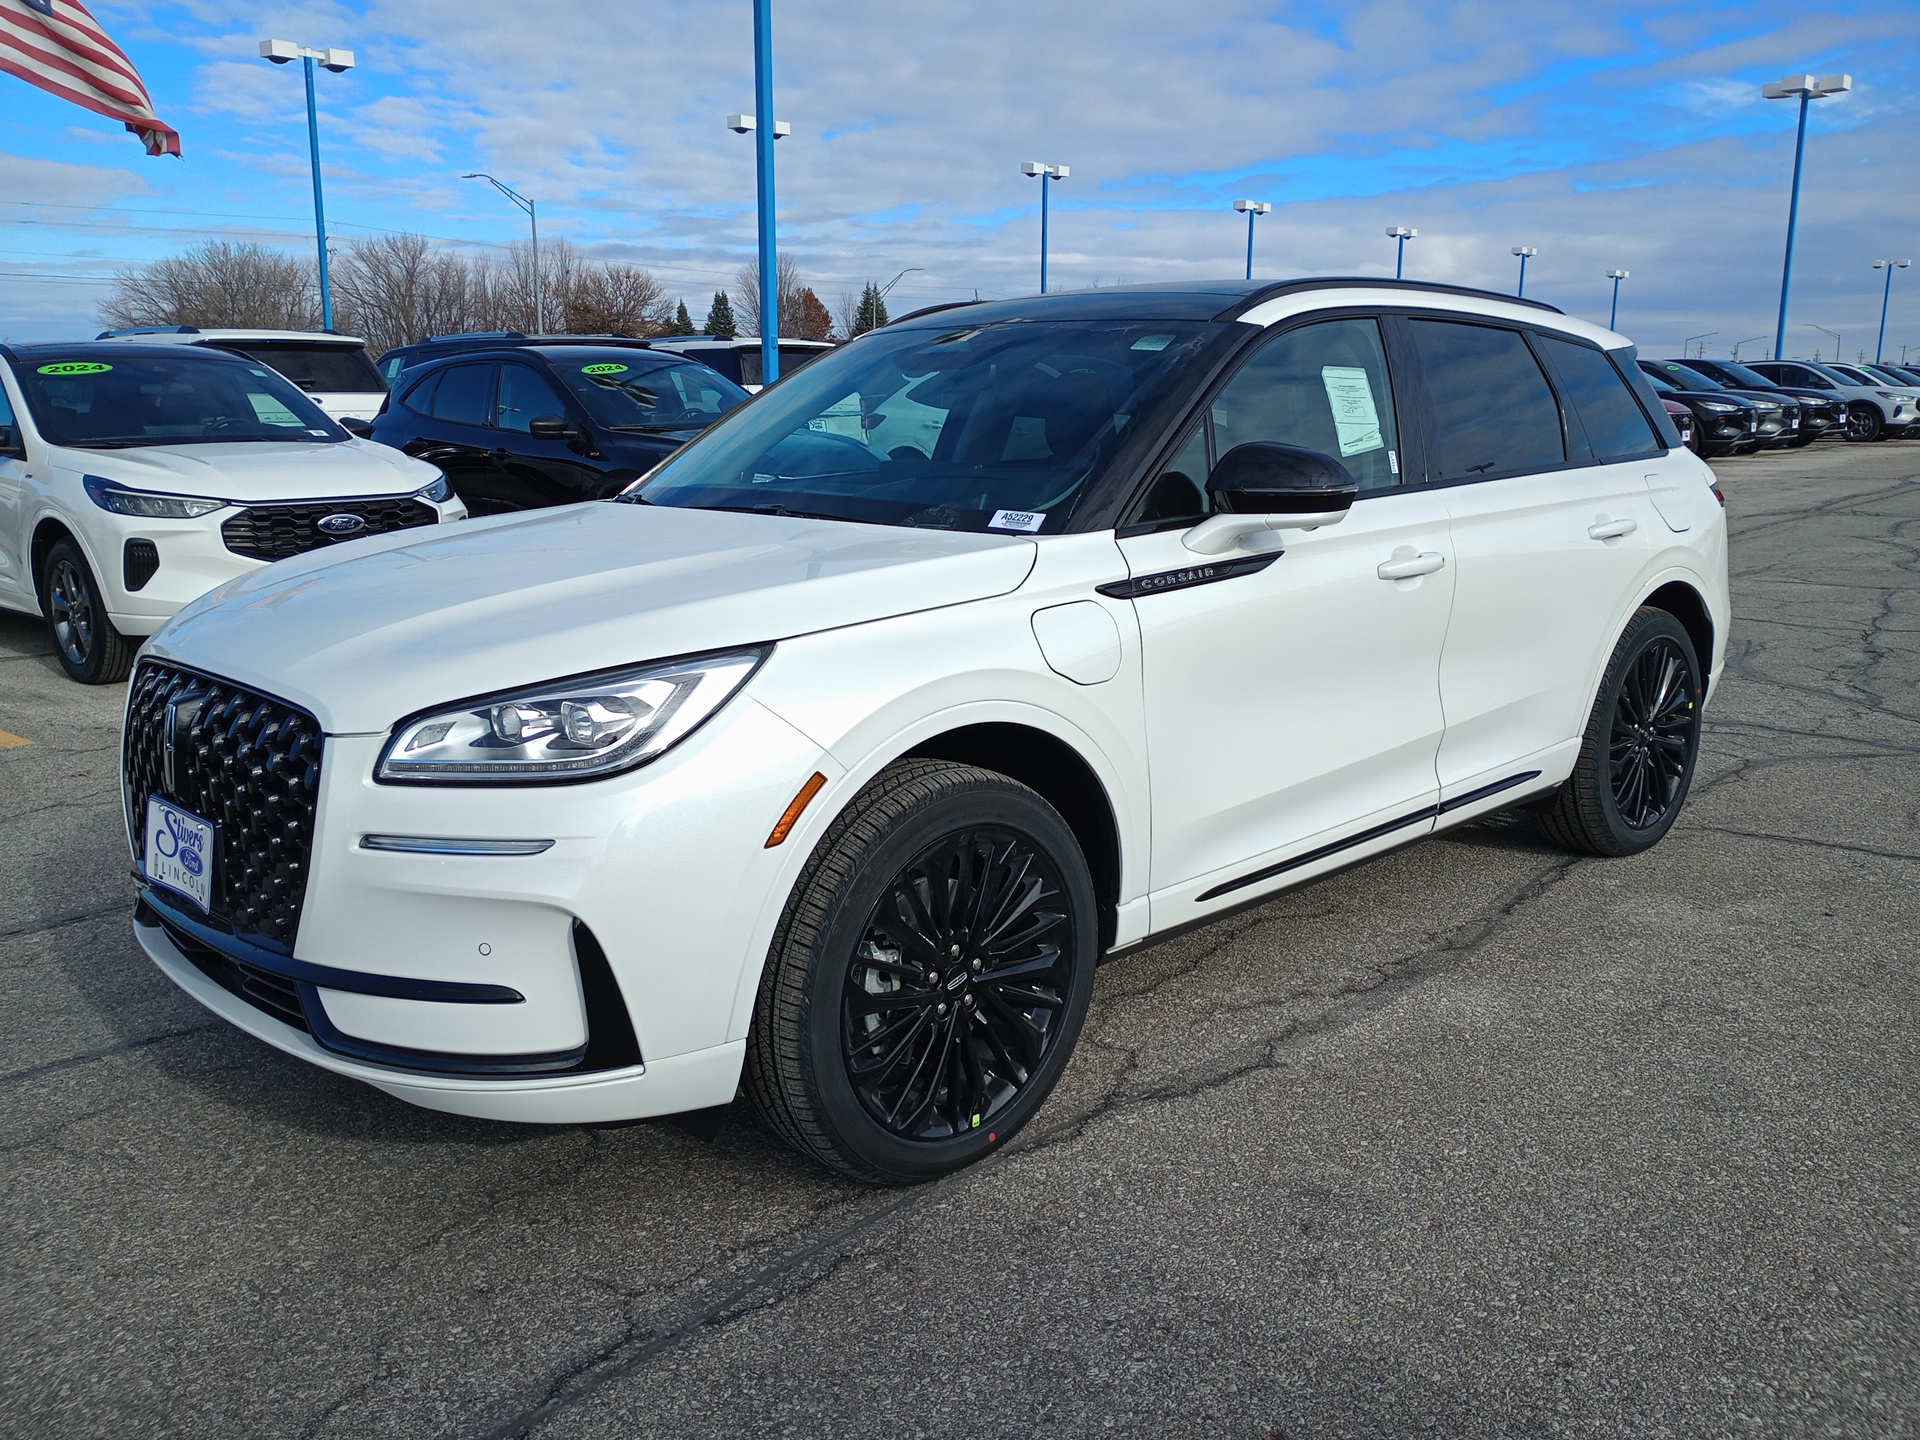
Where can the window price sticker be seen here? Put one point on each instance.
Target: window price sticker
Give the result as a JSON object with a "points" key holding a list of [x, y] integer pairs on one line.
{"points": [[1026, 521]]}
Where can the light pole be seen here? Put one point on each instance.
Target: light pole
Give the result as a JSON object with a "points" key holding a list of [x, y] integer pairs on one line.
{"points": [[1402, 234], [1703, 335], [282, 52], [1616, 276], [533, 218], [763, 170], [1253, 210], [1048, 174], [1804, 88], [1885, 298], [1824, 331], [1748, 341], [1526, 253]]}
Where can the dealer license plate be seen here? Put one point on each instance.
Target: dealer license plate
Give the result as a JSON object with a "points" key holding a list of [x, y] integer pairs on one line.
{"points": [[180, 851]]}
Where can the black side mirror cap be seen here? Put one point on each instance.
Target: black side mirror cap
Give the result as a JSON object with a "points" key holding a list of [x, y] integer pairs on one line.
{"points": [[549, 427], [1264, 477], [354, 425]]}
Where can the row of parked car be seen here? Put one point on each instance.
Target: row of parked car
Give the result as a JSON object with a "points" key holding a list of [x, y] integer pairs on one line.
{"points": [[1779, 404], [178, 436]]}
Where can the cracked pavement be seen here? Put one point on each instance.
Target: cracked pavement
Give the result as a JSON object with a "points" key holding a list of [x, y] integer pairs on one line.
{"points": [[1474, 1139]]}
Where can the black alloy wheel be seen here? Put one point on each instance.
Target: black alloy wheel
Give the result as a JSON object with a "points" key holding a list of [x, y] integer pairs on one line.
{"points": [[1865, 422], [85, 643], [959, 984], [1655, 719], [1641, 743], [929, 976]]}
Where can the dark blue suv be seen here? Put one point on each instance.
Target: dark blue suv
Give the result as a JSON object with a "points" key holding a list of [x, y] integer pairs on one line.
{"points": [[523, 426]]}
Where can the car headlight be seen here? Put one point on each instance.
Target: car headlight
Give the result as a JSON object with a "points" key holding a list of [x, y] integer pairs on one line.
{"points": [[145, 503], [1887, 395], [579, 729], [1718, 407], [434, 493]]}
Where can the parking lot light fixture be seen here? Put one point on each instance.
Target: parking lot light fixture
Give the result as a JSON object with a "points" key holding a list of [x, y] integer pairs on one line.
{"points": [[533, 219], [1046, 174], [283, 52], [1804, 88], [1253, 210], [764, 137], [1886, 298], [1616, 276], [1748, 341], [1824, 331], [1526, 253], [1402, 234], [1687, 344]]}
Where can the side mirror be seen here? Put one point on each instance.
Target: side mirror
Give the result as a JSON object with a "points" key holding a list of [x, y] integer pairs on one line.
{"points": [[354, 425], [549, 427], [1264, 485]]}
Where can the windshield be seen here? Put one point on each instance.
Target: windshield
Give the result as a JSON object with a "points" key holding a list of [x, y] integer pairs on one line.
{"points": [[175, 398], [995, 427], [1685, 377], [642, 390], [1888, 374], [1741, 375], [1661, 383], [315, 367], [1853, 376]]}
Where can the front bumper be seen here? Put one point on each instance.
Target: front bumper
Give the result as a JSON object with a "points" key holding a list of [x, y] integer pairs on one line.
{"points": [[658, 880]]}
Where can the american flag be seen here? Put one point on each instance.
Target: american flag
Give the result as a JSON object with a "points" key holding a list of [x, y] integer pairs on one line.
{"points": [[59, 46]]}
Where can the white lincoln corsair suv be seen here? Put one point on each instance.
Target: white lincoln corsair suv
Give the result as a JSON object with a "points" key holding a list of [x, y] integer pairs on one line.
{"points": [[829, 760]]}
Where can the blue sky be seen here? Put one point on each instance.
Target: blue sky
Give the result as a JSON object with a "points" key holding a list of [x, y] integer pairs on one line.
{"points": [[1605, 134]]}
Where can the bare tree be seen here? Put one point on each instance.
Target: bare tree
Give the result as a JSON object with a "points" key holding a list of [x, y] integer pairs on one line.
{"points": [[217, 284], [619, 300], [746, 295]]}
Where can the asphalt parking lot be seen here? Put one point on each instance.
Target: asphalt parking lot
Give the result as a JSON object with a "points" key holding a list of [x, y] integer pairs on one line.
{"points": [[1478, 1139]]}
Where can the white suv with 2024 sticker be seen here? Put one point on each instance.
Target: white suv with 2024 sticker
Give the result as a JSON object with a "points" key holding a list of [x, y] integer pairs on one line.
{"points": [[832, 764], [135, 478]]}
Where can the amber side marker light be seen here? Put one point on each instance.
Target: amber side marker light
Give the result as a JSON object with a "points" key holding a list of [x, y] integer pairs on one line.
{"points": [[794, 811]]}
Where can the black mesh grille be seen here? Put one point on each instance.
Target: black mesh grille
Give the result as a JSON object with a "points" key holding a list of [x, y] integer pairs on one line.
{"points": [[249, 764], [141, 561], [273, 532]]}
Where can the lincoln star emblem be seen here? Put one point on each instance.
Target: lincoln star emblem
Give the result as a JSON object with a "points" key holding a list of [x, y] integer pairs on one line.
{"points": [[341, 524]]}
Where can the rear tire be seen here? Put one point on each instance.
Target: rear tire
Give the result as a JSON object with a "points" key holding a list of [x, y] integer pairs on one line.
{"points": [[87, 646], [1865, 422], [883, 1044], [1642, 740]]}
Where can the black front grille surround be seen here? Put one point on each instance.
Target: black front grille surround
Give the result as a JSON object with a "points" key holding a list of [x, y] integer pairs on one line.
{"points": [[246, 762], [276, 532]]}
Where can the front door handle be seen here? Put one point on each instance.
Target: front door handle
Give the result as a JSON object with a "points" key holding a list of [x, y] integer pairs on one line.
{"points": [[1604, 529], [1412, 566]]}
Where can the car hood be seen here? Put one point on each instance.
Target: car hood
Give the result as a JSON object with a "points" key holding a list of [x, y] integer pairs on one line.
{"points": [[249, 472], [372, 630]]}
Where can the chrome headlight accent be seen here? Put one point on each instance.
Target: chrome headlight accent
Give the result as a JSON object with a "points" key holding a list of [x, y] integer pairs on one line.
{"points": [[146, 503], [1718, 407], [578, 729], [435, 493]]}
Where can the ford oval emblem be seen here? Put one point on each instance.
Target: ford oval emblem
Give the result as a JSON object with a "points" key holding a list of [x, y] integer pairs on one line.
{"points": [[341, 524]]}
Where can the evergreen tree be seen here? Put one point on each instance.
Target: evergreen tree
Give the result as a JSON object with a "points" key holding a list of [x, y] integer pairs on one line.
{"points": [[682, 321], [872, 313], [720, 319]]}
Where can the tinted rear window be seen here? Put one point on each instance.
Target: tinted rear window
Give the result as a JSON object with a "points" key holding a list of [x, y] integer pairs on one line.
{"points": [[1615, 426], [1493, 411], [317, 367], [465, 395]]}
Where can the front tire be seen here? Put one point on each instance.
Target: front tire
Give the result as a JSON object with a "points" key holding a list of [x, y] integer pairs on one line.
{"points": [[929, 977], [1865, 422], [89, 649], [1641, 743]]}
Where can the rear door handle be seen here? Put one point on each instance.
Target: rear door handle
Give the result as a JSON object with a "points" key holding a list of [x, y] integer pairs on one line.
{"points": [[1611, 529], [1415, 565]]}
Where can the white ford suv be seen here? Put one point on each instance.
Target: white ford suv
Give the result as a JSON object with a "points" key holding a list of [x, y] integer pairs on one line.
{"points": [[134, 479], [833, 768], [333, 369]]}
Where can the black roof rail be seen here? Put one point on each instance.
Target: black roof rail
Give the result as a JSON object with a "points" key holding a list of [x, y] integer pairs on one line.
{"points": [[149, 330], [473, 335], [933, 310], [1369, 282]]}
